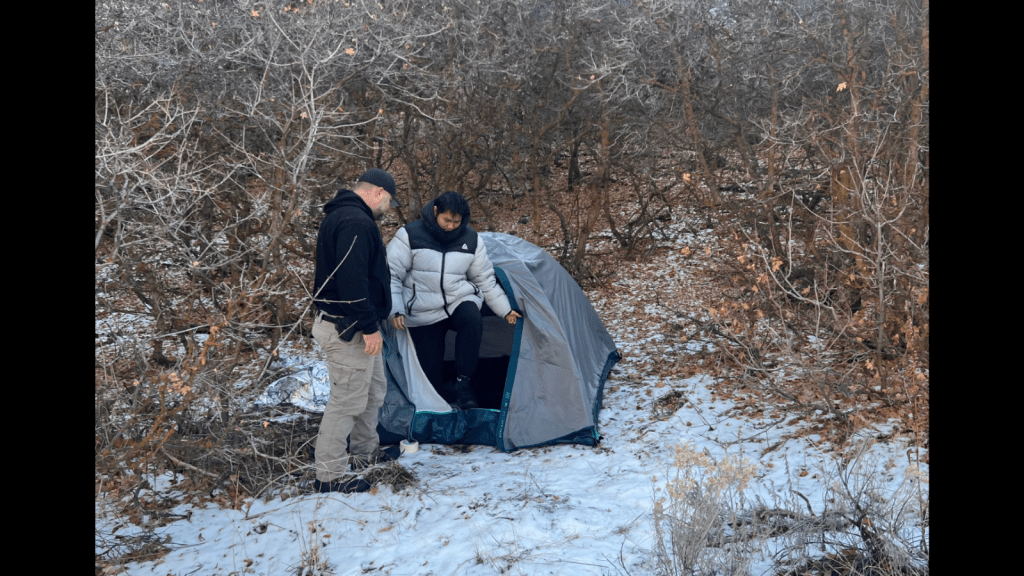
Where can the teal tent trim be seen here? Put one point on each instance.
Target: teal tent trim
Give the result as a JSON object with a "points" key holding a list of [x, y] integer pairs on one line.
{"points": [[510, 377]]}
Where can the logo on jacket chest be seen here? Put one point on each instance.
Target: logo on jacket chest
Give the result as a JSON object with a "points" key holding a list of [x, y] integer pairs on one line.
{"points": [[460, 247]]}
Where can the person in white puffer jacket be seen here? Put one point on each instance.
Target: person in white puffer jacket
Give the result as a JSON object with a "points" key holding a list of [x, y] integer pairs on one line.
{"points": [[440, 277]]}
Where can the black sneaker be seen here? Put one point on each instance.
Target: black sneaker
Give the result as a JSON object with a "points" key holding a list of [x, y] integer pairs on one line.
{"points": [[381, 455], [464, 399], [465, 404], [345, 484]]}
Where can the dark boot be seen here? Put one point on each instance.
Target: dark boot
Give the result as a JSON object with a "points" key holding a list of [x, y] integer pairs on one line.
{"points": [[464, 394]]}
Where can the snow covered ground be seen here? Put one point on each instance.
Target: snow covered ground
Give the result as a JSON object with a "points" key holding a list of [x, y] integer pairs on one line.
{"points": [[475, 510]]}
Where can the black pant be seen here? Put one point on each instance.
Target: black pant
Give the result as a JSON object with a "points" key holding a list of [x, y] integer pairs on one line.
{"points": [[429, 342]]}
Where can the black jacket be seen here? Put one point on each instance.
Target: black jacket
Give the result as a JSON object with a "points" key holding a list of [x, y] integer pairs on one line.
{"points": [[360, 289]]}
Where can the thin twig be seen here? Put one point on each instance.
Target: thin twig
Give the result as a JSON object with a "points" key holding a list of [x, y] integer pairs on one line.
{"points": [[186, 465], [273, 353]]}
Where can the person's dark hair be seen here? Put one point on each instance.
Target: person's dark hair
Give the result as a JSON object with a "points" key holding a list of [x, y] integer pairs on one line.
{"points": [[452, 202]]}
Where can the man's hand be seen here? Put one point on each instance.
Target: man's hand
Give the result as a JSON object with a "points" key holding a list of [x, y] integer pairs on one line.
{"points": [[398, 322], [374, 343], [511, 317]]}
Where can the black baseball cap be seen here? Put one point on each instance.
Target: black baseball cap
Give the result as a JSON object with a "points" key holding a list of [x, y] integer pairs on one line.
{"points": [[381, 178]]}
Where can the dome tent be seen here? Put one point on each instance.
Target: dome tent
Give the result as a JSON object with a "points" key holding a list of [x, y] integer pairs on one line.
{"points": [[538, 382]]}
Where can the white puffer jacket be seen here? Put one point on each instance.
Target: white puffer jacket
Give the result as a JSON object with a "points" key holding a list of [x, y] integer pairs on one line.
{"points": [[432, 272]]}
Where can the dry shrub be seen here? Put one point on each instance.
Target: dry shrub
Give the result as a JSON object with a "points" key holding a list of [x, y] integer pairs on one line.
{"points": [[869, 524], [390, 474], [694, 522]]}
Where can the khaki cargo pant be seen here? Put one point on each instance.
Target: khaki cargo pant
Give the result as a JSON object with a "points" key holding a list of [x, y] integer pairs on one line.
{"points": [[357, 393]]}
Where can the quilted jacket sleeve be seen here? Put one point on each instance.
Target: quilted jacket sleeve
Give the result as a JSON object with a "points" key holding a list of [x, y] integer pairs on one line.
{"points": [[400, 263]]}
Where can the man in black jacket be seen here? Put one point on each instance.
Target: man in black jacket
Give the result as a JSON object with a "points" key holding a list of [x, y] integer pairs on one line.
{"points": [[352, 292]]}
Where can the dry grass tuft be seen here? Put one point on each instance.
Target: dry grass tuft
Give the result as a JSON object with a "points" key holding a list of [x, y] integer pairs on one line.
{"points": [[391, 474]]}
